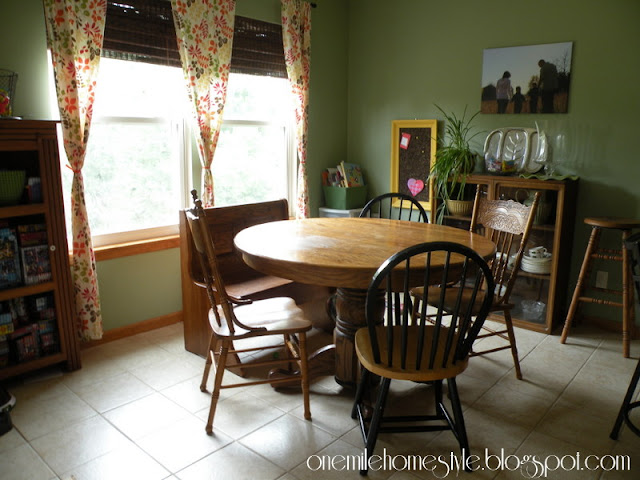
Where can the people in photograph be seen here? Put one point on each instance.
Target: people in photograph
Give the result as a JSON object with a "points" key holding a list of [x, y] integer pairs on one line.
{"points": [[548, 84], [518, 100], [504, 92], [533, 98]]}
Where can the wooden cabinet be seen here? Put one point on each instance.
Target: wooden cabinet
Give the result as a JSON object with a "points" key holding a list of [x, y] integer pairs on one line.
{"points": [[553, 230], [37, 298]]}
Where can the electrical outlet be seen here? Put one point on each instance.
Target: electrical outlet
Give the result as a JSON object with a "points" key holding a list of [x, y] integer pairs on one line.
{"points": [[602, 278]]}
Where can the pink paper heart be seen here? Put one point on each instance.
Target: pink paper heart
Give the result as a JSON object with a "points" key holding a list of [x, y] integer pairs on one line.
{"points": [[415, 186]]}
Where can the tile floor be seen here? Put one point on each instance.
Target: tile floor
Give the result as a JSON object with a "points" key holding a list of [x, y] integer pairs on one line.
{"points": [[135, 411]]}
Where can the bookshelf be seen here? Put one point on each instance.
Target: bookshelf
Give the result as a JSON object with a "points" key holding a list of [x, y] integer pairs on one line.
{"points": [[37, 327]]}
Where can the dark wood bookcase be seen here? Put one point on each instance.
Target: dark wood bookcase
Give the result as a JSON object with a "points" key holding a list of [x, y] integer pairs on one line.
{"points": [[32, 146], [552, 229]]}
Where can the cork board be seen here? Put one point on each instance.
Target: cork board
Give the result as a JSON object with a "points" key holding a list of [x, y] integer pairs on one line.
{"points": [[413, 150]]}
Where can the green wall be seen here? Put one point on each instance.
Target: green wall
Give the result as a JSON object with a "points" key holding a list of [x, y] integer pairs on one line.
{"points": [[407, 55], [374, 61]]}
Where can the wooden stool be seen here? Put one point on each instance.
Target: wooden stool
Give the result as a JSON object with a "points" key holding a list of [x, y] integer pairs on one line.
{"points": [[622, 255]]}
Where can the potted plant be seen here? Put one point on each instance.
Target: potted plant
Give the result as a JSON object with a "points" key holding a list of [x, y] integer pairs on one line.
{"points": [[454, 161]]}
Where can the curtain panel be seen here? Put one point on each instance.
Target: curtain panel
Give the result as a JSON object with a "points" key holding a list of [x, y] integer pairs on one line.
{"points": [[296, 37], [75, 35], [204, 30]]}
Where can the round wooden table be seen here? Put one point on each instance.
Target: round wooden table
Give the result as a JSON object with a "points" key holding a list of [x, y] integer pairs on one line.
{"points": [[342, 253]]}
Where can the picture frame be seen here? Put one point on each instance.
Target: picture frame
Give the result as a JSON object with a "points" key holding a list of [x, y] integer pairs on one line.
{"points": [[413, 152], [527, 79]]}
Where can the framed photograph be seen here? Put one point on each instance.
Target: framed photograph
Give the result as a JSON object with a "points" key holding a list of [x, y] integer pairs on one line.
{"points": [[528, 79], [413, 151]]}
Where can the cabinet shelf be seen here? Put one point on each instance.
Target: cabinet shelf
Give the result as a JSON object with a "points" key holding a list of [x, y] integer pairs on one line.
{"points": [[22, 210], [31, 365], [26, 290], [553, 230]]}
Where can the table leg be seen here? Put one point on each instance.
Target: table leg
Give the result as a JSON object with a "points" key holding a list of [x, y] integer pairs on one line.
{"points": [[350, 316], [340, 359]]}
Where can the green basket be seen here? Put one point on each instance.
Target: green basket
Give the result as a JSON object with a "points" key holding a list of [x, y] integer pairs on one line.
{"points": [[11, 186]]}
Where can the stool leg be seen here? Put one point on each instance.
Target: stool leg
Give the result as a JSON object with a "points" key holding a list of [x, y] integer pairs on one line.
{"points": [[627, 296], [582, 278]]}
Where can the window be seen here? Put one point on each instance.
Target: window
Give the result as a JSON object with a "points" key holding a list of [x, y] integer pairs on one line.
{"points": [[137, 171], [255, 156], [136, 157]]}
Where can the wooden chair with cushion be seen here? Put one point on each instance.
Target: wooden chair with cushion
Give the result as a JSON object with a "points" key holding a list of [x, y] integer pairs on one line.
{"points": [[395, 205], [237, 319], [507, 223], [415, 349]]}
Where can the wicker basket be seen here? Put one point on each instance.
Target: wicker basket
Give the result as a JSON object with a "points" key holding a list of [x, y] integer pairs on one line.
{"points": [[460, 208], [11, 186]]}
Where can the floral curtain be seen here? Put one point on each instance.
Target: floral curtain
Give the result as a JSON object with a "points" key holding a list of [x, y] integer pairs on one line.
{"points": [[296, 36], [205, 33], [75, 34]]}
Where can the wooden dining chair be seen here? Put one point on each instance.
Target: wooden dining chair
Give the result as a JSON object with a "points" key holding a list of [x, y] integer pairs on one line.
{"points": [[415, 349], [233, 319], [507, 223], [395, 205]]}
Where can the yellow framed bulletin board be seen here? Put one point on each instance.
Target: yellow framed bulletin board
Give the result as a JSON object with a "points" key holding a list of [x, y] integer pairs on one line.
{"points": [[413, 151]]}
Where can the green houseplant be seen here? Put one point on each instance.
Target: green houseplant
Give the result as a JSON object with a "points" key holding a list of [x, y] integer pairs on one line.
{"points": [[454, 160]]}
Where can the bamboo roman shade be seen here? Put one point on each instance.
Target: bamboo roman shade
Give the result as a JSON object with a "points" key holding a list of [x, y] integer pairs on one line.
{"points": [[143, 31]]}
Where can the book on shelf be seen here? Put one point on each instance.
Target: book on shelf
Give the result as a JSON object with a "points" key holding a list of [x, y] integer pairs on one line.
{"points": [[31, 234], [10, 273], [344, 174], [352, 174], [36, 264], [25, 343]]}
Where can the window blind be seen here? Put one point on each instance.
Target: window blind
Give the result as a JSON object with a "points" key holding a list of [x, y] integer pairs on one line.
{"points": [[143, 31]]}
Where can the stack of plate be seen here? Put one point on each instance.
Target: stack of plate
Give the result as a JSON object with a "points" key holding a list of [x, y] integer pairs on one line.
{"points": [[536, 265]]}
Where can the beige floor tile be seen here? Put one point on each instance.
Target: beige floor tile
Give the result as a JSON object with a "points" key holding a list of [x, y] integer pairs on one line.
{"points": [[286, 399], [167, 372], [11, 439], [287, 441], [182, 443], [79, 443], [135, 355], [579, 428], [125, 463], [330, 412], [512, 406], [146, 415], [340, 460], [23, 463], [113, 392], [97, 365], [545, 454], [241, 414], [233, 462], [55, 409]]}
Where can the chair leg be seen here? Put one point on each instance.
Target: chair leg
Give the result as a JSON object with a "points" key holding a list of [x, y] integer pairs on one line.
{"points": [[304, 373], [376, 421], [208, 361], [625, 404], [512, 341], [215, 394], [460, 430], [364, 380], [583, 277], [627, 297]]}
